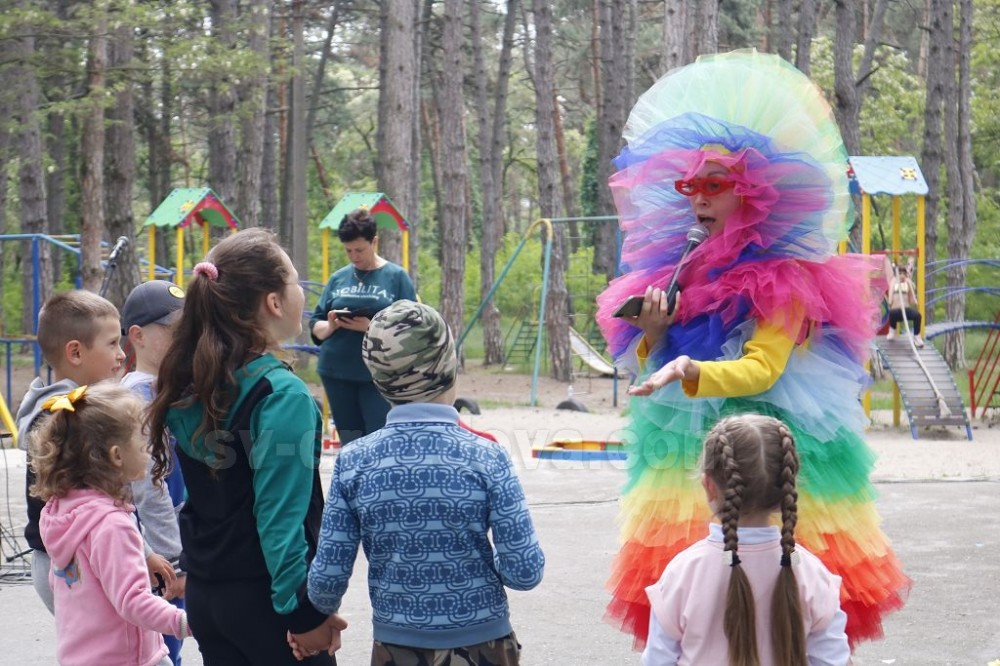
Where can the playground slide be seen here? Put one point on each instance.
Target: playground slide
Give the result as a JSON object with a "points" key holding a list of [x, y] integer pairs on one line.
{"points": [[915, 387], [590, 356]]}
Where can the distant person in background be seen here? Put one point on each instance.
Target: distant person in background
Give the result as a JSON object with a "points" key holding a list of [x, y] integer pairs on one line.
{"points": [[354, 294], [903, 300]]}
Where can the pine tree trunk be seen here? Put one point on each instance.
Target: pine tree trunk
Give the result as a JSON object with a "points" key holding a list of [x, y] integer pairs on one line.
{"points": [[269, 172], [557, 305], [611, 117], [675, 34], [253, 96], [164, 239], [416, 145], [932, 152], [6, 155], [565, 176], [489, 239], [119, 165], [783, 30], [845, 91], [297, 154], [395, 131], [92, 159], [31, 180], [222, 168], [962, 216], [55, 183], [806, 31], [450, 103], [708, 27]]}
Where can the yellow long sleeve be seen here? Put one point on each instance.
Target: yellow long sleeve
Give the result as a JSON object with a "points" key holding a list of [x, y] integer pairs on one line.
{"points": [[764, 358]]}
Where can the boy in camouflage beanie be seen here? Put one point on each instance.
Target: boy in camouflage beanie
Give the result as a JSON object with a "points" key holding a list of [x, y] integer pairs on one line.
{"points": [[410, 353], [427, 492]]}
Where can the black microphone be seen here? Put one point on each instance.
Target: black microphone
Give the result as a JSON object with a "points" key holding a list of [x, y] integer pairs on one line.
{"points": [[120, 245], [695, 236]]}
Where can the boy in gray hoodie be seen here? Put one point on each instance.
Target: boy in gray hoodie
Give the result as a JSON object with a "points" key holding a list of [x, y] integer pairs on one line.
{"points": [[79, 334]]}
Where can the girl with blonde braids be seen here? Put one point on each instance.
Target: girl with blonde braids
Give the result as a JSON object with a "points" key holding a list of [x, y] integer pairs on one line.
{"points": [[778, 604]]}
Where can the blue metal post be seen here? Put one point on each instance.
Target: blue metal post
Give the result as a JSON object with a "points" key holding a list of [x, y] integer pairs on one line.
{"points": [[496, 284], [36, 300], [541, 310]]}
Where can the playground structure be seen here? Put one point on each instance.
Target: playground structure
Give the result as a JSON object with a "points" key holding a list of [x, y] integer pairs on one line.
{"points": [[579, 344], [386, 217], [183, 209], [69, 244], [580, 450], [923, 381]]}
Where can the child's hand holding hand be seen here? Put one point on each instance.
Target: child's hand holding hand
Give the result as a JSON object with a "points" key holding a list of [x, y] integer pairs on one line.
{"points": [[177, 589], [303, 645], [157, 565]]}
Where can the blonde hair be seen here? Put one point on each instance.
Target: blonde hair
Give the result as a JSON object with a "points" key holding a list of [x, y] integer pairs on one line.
{"points": [[752, 459], [68, 316], [72, 449]]}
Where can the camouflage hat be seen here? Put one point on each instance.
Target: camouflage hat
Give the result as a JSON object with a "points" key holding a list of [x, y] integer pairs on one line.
{"points": [[410, 353]]}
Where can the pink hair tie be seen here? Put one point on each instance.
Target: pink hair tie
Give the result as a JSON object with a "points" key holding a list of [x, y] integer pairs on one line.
{"points": [[208, 269]]}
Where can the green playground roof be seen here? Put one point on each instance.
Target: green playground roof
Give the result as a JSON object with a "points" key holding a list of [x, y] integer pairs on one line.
{"points": [[385, 214], [894, 175], [186, 205]]}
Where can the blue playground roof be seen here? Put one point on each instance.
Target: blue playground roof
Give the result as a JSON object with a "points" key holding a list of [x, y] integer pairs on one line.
{"points": [[894, 175]]}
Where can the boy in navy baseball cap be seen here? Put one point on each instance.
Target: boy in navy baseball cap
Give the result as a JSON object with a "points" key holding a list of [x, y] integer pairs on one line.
{"points": [[153, 302], [148, 316]]}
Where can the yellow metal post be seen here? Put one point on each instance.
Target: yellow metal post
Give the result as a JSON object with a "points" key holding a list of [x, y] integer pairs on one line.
{"points": [[897, 243], [921, 259], [406, 250], [7, 420], [866, 248], [206, 231], [325, 244], [179, 274], [866, 224], [897, 246], [151, 259]]}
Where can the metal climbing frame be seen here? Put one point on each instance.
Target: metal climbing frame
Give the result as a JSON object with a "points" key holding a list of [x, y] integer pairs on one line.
{"points": [[543, 225]]}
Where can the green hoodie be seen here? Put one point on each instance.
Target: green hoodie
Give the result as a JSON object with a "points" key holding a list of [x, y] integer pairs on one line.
{"points": [[254, 495]]}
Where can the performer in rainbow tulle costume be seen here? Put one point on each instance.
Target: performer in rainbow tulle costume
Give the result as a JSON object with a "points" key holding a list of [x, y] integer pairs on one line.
{"points": [[769, 320]]}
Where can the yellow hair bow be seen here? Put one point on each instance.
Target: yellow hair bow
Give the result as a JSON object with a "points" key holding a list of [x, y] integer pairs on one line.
{"points": [[58, 403]]}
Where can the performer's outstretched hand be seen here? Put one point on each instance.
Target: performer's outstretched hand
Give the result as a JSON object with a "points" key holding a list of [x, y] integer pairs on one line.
{"points": [[653, 320], [681, 367]]}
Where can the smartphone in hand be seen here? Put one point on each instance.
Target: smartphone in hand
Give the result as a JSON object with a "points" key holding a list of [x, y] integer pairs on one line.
{"points": [[343, 313], [632, 307]]}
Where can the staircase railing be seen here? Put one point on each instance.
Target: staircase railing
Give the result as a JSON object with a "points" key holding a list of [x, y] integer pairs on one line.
{"points": [[984, 377]]}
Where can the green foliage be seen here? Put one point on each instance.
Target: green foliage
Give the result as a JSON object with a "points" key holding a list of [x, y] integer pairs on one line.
{"points": [[985, 64], [588, 173], [892, 112]]}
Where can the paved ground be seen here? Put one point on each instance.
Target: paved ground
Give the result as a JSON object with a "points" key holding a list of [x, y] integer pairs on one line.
{"points": [[947, 534]]}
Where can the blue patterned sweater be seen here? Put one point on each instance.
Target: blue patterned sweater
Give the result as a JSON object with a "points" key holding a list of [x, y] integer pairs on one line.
{"points": [[423, 496]]}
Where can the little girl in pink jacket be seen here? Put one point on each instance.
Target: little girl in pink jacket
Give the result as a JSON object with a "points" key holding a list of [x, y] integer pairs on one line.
{"points": [[84, 456]]}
